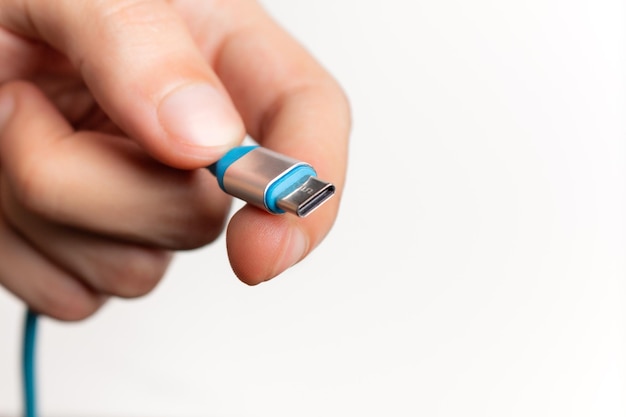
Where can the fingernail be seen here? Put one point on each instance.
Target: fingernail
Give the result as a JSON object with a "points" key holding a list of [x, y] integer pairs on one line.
{"points": [[297, 247], [199, 115]]}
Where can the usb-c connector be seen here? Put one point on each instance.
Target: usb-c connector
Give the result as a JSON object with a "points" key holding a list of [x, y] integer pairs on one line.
{"points": [[271, 181]]}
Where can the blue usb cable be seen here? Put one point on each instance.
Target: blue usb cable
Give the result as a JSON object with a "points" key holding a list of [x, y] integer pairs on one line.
{"points": [[266, 179], [28, 364]]}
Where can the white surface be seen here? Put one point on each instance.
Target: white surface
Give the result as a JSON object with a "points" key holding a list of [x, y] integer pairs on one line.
{"points": [[477, 267]]}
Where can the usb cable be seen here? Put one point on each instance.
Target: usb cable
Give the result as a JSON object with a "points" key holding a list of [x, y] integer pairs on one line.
{"points": [[271, 181], [28, 364]]}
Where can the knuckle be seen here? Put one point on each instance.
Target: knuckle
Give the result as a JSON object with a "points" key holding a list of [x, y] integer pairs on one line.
{"points": [[194, 229], [195, 237], [198, 218], [67, 306], [33, 190], [136, 273], [125, 10], [134, 20]]}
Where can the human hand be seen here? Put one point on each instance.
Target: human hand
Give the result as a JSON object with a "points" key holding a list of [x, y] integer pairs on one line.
{"points": [[84, 212]]}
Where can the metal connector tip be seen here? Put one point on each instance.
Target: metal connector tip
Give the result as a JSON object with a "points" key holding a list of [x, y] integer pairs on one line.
{"points": [[307, 197]]}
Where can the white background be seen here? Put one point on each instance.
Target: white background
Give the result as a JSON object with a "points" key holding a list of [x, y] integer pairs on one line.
{"points": [[478, 264]]}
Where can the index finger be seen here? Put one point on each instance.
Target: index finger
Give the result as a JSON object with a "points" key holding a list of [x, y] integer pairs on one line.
{"points": [[290, 104]]}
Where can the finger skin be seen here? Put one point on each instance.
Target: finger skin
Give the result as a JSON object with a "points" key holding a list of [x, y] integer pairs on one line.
{"points": [[289, 103], [135, 57], [272, 244], [102, 183], [256, 256], [105, 265], [44, 286], [122, 207]]}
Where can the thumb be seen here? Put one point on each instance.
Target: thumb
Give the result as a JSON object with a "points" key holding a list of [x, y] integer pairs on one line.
{"points": [[145, 71]]}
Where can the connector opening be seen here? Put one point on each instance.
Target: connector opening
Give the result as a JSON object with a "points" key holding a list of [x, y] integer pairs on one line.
{"points": [[314, 202], [306, 197]]}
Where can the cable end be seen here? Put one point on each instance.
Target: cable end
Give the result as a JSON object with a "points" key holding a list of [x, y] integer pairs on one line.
{"points": [[271, 181]]}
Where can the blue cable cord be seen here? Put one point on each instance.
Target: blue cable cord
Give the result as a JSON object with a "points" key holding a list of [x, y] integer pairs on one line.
{"points": [[28, 364]]}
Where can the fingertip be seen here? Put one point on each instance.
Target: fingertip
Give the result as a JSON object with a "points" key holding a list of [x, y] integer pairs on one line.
{"points": [[79, 309], [66, 301], [261, 245]]}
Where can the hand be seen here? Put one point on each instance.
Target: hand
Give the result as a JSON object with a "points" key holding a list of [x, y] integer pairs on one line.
{"points": [[119, 105]]}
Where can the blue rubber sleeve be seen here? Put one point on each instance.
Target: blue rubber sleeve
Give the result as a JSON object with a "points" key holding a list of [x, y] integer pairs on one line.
{"points": [[219, 168], [286, 184]]}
